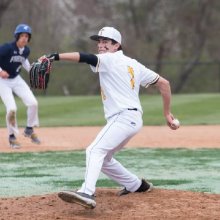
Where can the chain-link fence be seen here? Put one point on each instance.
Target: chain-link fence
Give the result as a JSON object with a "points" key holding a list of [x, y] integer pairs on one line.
{"points": [[77, 79], [201, 78]]}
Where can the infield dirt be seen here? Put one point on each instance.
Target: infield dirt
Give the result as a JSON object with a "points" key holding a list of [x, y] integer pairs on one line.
{"points": [[158, 204]]}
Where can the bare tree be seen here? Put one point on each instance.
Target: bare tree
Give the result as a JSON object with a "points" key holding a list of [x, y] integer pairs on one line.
{"points": [[4, 5], [153, 31], [200, 29]]}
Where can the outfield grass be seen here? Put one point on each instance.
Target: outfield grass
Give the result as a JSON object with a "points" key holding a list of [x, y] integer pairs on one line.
{"points": [[46, 172], [194, 109], [39, 173]]}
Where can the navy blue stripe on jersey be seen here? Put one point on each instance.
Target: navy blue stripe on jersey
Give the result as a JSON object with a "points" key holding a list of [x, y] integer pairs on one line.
{"points": [[153, 82], [10, 58]]}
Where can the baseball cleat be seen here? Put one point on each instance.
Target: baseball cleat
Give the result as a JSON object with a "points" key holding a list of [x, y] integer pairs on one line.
{"points": [[144, 187], [79, 198], [29, 132], [14, 144]]}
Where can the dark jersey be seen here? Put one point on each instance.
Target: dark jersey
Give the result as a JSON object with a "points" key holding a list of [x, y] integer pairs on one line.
{"points": [[10, 58]]}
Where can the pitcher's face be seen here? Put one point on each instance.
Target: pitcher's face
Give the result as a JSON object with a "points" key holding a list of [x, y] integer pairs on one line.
{"points": [[106, 45]]}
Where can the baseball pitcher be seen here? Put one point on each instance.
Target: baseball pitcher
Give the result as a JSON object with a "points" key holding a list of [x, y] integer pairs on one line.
{"points": [[120, 80]]}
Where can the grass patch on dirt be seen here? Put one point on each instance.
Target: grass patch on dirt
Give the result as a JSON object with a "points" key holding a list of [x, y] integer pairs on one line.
{"points": [[24, 174]]}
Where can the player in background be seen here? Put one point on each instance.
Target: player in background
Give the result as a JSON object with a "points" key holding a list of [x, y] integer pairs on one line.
{"points": [[13, 56], [120, 81]]}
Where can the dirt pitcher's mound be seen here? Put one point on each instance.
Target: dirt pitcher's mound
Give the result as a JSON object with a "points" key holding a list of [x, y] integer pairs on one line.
{"points": [[158, 204]]}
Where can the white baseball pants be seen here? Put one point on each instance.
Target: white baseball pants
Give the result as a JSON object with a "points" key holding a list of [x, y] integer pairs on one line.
{"points": [[117, 132], [22, 90]]}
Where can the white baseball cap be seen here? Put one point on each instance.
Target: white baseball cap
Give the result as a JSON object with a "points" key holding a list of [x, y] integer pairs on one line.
{"points": [[108, 32]]}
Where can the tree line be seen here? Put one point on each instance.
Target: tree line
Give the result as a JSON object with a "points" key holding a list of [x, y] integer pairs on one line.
{"points": [[154, 32]]}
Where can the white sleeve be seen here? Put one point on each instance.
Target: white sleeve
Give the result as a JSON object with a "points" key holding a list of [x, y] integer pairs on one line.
{"points": [[148, 77], [26, 64], [104, 61], [1, 69]]}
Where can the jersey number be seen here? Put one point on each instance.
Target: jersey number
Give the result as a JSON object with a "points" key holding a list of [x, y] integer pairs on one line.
{"points": [[131, 73], [18, 69], [103, 94]]}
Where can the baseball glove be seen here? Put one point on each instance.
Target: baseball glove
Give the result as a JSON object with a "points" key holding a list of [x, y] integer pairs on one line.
{"points": [[40, 74]]}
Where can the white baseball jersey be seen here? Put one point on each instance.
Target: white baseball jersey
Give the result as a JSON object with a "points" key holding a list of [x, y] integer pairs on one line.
{"points": [[120, 80]]}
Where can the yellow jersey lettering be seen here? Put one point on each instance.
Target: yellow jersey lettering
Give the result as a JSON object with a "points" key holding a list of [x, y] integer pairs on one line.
{"points": [[103, 94], [131, 72]]}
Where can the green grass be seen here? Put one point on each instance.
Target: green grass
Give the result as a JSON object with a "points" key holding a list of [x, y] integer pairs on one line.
{"points": [[194, 109], [24, 174]]}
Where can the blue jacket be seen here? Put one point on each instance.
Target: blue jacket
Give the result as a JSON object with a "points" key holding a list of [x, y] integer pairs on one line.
{"points": [[10, 59]]}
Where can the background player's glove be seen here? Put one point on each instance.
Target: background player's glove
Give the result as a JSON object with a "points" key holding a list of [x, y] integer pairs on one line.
{"points": [[40, 73]]}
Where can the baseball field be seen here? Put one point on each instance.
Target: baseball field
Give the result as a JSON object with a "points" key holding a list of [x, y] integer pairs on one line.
{"points": [[183, 165]]}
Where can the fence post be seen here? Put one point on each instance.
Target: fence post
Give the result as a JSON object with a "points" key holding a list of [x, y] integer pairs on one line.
{"points": [[219, 76]]}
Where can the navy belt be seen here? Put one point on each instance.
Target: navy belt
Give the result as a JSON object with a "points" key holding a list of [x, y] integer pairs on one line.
{"points": [[132, 109]]}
